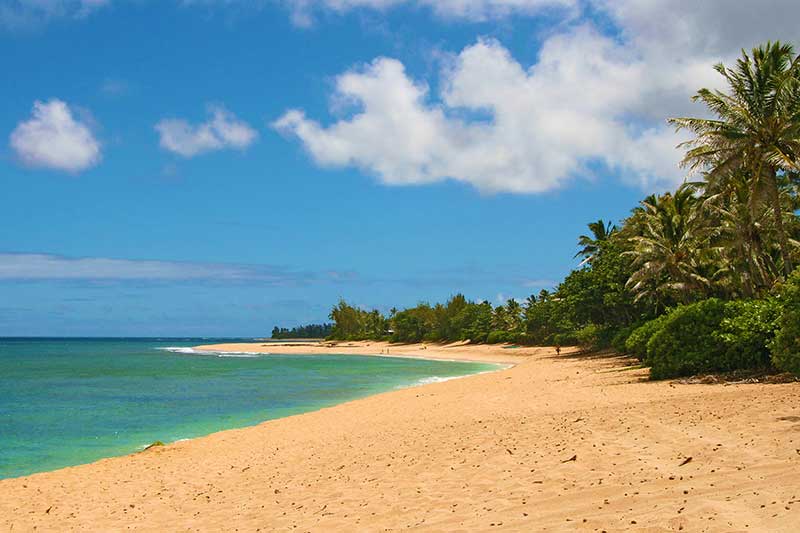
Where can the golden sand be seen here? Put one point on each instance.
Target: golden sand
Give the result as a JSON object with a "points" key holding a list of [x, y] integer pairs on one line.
{"points": [[553, 443]]}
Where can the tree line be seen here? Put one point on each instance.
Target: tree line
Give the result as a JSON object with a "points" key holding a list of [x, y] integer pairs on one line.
{"points": [[697, 279], [311, 331]]}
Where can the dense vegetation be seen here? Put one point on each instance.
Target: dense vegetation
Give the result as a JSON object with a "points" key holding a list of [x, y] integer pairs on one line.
{"points": [[698, 279], [311, 331]]}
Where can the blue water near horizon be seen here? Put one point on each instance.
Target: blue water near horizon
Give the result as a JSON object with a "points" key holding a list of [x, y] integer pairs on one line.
{"points": [[69, 401]]}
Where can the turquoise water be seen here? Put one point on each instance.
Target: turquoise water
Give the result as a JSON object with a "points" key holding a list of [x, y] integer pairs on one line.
{"points": [[71, 401]]}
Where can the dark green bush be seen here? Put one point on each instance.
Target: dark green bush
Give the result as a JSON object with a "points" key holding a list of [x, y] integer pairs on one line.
{"points": [[708, 336], [636, 343], [499, 336], [620, 337], [525, 339], [747, 330], [687, 342], [563, 339], [786, 346], [589, 337]]}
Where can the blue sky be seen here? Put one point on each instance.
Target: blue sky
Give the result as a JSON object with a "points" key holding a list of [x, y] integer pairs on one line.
{"points": [[215, 168]]}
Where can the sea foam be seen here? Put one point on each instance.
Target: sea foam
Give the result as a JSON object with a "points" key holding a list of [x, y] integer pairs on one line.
{"points": [[192, 351]]}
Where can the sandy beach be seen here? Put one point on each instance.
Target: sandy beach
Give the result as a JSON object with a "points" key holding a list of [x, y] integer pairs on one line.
{"points": [[559, 443]]}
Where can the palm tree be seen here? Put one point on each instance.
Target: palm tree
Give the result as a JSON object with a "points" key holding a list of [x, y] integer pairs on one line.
{"points": [[757, 126], [513, 315], [668, 255], [741, 225], [601, 232]]}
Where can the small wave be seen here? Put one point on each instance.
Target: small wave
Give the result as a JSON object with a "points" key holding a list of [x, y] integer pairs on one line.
{"points": [[192, 351], [429, 380], [436, 379], [239, 354], [441, 379], [179, 349]]}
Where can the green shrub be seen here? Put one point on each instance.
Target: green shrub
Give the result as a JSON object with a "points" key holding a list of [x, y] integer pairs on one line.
{"points": [[636, 343], [786, 346], [498, 336], [589, 337], [620, 337], [747, 330], [525, 339], [563, 339], [688, 342]]}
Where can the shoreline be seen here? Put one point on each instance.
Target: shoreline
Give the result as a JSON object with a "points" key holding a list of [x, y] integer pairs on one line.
{"points": [[551, 442], [454, 352], [258, 349]]}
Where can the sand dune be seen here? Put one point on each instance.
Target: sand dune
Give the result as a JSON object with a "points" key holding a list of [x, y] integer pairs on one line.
{"points": [[553, 443]]}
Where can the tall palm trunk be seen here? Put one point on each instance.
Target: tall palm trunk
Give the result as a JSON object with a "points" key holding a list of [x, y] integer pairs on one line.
{"points": [[777, 213]]}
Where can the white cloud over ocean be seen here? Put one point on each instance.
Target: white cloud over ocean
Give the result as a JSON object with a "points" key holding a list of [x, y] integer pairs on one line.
{"points": [[222, 130], [53, 138]]}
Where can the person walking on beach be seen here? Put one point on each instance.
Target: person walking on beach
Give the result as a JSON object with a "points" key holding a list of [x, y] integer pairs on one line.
{"points": [[558, 349]]}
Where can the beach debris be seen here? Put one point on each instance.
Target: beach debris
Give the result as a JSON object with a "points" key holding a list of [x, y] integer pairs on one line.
{"points": [[153, 445], [573, 458], [48, 510], [686, 461], [509, 452]]}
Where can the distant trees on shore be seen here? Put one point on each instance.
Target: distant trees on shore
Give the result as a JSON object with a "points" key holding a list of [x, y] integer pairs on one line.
{"points": [[695, 280], [311, 331]]}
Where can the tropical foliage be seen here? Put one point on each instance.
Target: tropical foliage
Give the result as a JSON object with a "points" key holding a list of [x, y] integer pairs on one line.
{"points": [[697, 279], [786, 346], [310, 331]]}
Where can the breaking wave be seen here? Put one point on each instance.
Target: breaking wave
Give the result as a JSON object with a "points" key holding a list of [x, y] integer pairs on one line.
{"points": [[192, 351]]}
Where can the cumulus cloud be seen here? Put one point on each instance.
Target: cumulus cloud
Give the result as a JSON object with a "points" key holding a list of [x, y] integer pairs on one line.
{"points": [[591, 100], [711, 26], [222, 130], [53, 138], [546, 124]]}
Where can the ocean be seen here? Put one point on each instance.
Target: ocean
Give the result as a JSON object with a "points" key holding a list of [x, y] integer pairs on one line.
{"points": [[70, 401]]}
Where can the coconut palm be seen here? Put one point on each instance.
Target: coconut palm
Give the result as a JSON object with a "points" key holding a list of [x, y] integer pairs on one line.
{"points": [[669, 255], [741, 226], [590, 244], [513, 315], [757, 126]]}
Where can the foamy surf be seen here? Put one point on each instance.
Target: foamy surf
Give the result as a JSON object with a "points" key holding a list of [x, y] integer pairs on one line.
{"points": [[191, 351], [442, 379], [429, 380]]}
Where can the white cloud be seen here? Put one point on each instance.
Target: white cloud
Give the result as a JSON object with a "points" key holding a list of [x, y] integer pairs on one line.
{"points": [[708, 27], [591, 100], [221, 130], [53, 138], [547, 124]]}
